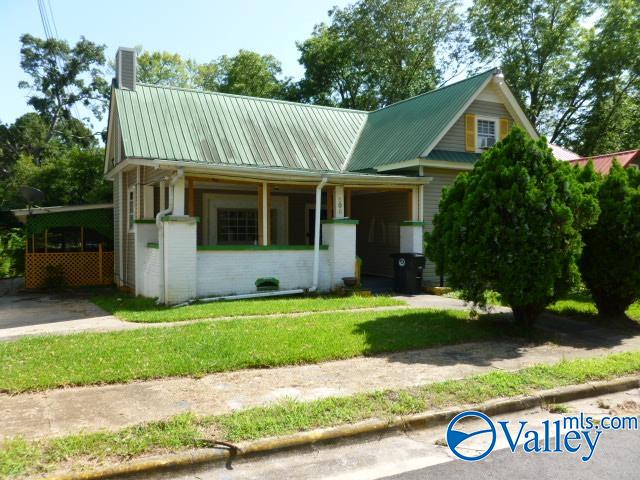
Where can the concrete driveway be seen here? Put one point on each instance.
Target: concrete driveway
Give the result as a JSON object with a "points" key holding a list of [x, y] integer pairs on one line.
{"points": [[42, 313]]}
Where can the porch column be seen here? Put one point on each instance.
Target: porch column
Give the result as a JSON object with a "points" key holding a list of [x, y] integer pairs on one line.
{"points": [[179, 252], [146, 232], [178, 197], [411, 231], [264, 216], [340, 235], [338, 202]]}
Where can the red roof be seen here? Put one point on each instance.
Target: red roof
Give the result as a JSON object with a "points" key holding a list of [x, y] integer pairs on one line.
{"points": [[603, 163], [562, 153]]}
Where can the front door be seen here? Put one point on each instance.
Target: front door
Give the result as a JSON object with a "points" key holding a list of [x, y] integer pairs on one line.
{"points": [[311, 224]]}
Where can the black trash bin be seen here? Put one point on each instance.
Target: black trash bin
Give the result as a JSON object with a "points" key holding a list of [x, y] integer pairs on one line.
{"points": [[407, 272]]}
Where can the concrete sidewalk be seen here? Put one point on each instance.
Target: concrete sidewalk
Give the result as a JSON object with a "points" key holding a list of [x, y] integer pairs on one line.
{"points": [[69, 410], [32, 314]]}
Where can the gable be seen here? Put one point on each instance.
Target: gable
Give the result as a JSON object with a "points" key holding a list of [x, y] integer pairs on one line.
{"points": [[454, 139]]}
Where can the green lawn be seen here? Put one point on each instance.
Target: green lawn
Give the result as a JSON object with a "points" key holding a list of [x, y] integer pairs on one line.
{"points": [[197, 349], [580, 305], [145, 309], [20, 457]]}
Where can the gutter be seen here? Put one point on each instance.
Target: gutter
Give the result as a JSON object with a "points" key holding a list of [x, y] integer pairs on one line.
{"points": [[275, 174]]}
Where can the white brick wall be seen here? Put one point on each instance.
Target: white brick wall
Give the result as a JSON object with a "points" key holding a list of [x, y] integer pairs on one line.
{"points": [[180, 259], [143, 233], [411, 238], [222, 272], [150, 273], [341, 238]]}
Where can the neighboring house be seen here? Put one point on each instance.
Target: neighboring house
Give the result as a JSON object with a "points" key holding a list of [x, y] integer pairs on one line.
{"points": [[214, 191], [603, 163], [563, 154]]}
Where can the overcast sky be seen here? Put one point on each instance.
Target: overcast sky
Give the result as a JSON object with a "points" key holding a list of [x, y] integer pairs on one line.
{"points": [[202, 30]]}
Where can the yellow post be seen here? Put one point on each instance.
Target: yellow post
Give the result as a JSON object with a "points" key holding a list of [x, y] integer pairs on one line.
{"points": [[46, 240], [82, 239]]}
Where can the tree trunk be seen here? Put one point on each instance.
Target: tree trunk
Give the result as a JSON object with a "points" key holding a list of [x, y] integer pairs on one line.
{"points": [[526, 315]]}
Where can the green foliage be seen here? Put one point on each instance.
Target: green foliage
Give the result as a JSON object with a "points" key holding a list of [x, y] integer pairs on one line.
{"points": [[541, 47], [247, 73], [12, 247], [376, 52], [512, 225], [610, 263], [63, 76]]}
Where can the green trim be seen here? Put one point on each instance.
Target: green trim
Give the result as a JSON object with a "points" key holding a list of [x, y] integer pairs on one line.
{"points": [[145, 220], [153, 245], [258, 247], [344, 221], [180, 218], [409, 223]]}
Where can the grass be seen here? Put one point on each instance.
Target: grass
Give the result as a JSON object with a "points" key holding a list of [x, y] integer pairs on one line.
{"points": [[186, 431], [145, 310], [580, 306], [197, 349]]}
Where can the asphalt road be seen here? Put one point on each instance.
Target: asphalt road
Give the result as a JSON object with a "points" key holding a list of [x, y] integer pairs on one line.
{"points": [[617, 457]]}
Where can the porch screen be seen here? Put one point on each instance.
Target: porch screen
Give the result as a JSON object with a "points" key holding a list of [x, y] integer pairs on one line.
{"points": [[237, 225]]}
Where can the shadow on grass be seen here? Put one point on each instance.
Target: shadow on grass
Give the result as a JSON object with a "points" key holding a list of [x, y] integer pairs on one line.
{"points": [[478, 342]]}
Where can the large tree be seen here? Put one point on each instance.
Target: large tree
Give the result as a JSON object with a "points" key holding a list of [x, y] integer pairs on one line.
{"points": [[612, 120], [539, 45], [249, 73], [377, 52], [63, 76], [513, 225]]}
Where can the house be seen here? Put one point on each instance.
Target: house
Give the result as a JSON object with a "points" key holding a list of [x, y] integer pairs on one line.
{"points": [[68, 245], [603, 163], [213, 193]]}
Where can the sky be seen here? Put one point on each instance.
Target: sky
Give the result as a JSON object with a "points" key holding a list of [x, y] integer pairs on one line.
{"points": [[201, 30]]}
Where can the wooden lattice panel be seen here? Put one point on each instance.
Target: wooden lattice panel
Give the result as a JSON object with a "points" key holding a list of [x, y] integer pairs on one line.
{"points": [[79, 268]]}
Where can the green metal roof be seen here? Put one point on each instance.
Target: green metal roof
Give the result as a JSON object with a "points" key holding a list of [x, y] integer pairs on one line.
{"points": [[402, 131], [216, 128], [206, 127], [449, 156]]}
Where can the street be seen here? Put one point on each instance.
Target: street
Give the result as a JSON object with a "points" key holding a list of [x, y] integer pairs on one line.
{"points": [[618, 457], [421, 454]]}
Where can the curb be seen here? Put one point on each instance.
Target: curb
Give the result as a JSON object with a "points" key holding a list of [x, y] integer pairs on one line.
{"points": [[416, 421]]}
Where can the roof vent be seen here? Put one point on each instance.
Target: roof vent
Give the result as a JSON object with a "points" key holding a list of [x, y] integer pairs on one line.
{"points": [[126, 68]]}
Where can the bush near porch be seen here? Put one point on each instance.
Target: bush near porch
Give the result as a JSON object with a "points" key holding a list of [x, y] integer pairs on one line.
{"points": [[197, 349], [145, 310]]}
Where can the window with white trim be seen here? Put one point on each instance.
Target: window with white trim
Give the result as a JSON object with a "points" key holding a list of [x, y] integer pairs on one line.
{"points": [[486, 135], [237, 226], [131, 207]]}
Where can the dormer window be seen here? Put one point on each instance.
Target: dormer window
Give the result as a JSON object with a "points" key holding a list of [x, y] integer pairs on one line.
{"points": [[486, 133]]}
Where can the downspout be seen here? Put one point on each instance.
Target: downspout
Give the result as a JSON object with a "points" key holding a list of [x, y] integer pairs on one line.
{"points": [[159, 224], [316, 236], [316, 261]]}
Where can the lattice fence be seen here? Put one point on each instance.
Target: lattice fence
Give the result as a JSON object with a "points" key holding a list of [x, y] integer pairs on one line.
{"points": [[76, 268]]}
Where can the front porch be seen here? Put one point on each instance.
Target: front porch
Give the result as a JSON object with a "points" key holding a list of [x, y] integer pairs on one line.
{"points": [[224, 234]]}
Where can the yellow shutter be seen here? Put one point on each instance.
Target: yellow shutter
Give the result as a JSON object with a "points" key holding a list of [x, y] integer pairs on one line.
{"points": [[505, 127], [470, 132]]}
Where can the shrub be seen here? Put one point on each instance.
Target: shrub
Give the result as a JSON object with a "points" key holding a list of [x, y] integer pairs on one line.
{"points": [[512, 225], [610, 262], [12, 244]]}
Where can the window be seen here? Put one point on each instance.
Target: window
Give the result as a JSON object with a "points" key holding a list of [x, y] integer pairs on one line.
{"points": [[486, 136], [237, 226], [131, 207]]}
